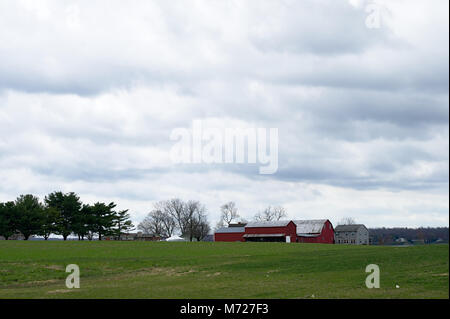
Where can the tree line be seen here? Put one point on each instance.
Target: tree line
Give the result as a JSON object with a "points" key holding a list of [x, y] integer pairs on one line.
{"points": [[389, 236], [62, 214]]}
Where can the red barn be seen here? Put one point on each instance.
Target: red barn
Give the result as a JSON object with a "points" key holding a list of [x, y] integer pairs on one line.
{"points": [[229, 234], [314, 231], [270, 231], [302, 231]]}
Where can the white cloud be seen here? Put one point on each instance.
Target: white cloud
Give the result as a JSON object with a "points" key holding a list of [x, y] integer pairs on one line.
{"points": [[89, 94]]}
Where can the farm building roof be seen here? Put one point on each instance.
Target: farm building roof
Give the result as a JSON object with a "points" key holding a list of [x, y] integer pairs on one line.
{"points": [[307, 228], [353, 227], [231, 230], [278, 223]]}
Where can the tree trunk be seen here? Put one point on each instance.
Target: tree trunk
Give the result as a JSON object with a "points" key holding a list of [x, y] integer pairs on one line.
{"points": [[65, 237]]}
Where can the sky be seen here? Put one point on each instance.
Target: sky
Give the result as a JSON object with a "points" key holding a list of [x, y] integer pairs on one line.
{"points": [[90, 92]]}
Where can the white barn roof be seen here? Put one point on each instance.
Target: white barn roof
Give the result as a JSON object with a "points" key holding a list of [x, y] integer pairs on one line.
{"points": [[277, 223], [230, 230], [309, 227]]}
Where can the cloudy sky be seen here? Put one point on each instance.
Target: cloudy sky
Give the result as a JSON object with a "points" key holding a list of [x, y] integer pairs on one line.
{"points": [[90, 92]]}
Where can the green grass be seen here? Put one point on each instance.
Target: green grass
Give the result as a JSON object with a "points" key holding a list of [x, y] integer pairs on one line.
{"points": [[220, 270]]}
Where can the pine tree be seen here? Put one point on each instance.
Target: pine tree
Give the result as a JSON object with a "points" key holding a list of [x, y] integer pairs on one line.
{"points": [[7, 219], [122, 223], [30, 216]]}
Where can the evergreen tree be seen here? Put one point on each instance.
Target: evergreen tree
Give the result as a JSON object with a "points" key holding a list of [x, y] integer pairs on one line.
{"points": [[30, 216], [69, 206], [102, 218], [51, 219], [7, 219], [122, 223]]}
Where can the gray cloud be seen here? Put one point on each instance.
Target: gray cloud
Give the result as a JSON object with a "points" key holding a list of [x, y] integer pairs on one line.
{"points": [[89, 96]]}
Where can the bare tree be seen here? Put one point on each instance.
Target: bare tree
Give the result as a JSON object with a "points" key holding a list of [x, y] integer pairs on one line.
{"points": [[176, 209], [271, 213], [194, 214], [202, 227], [279, 212], [229, 212], [347, 221], [263, 216], [169, 224], [189, 218], [153, 223]]}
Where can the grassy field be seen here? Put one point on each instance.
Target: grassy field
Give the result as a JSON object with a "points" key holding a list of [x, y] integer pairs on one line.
{"points": [[220, 270]]}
